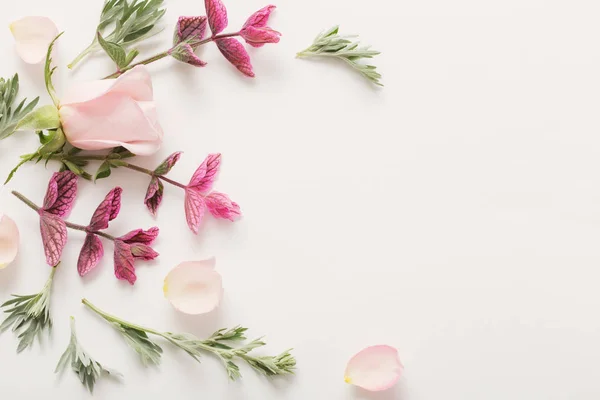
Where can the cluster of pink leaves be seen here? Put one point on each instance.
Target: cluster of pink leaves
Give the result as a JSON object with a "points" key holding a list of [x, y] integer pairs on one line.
{"points": [[198, 195], [60, 196], [192, 30]]}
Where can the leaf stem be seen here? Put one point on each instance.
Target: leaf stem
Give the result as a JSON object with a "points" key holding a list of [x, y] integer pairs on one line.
{"points": [[167, 53], [152, 174], [71, 225], [111, 318]]}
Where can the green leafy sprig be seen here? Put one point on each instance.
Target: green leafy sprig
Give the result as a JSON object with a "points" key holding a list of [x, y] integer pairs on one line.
{"points": [[83, 365], [9, 117], [29, 315], [220, 344], [345, 48], [132, 22]]}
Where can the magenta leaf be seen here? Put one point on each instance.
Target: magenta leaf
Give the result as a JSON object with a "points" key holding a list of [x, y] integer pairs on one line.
{"points": [[54, 236], [190, 29], [185, 53], [217, 15], [90, 255], [194, 209], [124, 262], [221, 206], [204, 177], [166, 166], [260, 18], [107, 210], [62, 190], [236, 54], [143, 252], [140, 236], [258, 37], [154, 195]]}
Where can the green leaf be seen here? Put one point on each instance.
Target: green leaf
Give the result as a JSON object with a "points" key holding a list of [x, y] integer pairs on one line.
{"points": [[104, 171], [131, 56], [9, 117], [45, 117], [53, 141], [115, 51], [24, 159], [49, 71]]}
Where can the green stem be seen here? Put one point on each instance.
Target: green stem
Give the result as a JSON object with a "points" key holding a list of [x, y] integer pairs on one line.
{"points": [[82, 55], [111, 318], [71, 225], [167, 53]]}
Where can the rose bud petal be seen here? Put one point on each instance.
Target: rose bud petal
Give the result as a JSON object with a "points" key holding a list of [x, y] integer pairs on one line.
{"points": [[194, 287], [111, 113], [9, 241], [375, 368], [33, 35]]}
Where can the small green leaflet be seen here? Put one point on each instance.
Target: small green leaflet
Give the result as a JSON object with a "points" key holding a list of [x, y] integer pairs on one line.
{"points": [[117, 53]]}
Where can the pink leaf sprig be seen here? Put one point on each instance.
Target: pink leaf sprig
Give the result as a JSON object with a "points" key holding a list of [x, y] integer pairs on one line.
{"points": [[190, 33], [198, 194], [58, 202]]}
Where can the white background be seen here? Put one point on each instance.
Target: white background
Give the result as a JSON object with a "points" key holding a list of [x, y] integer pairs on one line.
{"points": [[455, 214]]}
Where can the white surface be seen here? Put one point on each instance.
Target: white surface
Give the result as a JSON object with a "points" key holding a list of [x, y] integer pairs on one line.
{"points": [[454, 214]]}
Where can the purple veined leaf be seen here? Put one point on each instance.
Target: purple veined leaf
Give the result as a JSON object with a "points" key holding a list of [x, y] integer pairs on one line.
{"points": [[143, 252], [185, 53], [190, 29], [236, 54], [107, 210], [221, 206], [258, 37], [204, 177], [54, 236], [217, 15], [124, 262], [194, 209], [154, 195], [166, 166], [90, 255], [260, 18], [140, 236], [62, 188]]}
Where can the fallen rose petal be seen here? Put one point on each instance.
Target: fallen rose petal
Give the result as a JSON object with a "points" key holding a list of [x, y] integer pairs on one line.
{"points": [[194, 287], [33, 35], [9, 241], [90, 255], [375, 368], [217, 15], [236, 54]]}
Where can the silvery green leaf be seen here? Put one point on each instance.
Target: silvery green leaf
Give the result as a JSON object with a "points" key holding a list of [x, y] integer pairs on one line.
{"points": [[114, 51], [10, 117]]}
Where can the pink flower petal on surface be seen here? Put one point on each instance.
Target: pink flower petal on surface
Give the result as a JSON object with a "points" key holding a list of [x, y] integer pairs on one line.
{"points": [[217, 15], [221, 206], [9, 241], [141, 236], [166, 166], [204, 177], [194, 209], [107, 210], [260, 18], [194, 287], [61, 193], [154, 195], [33, 36], [54, 237], [236, 54], [375, 368], [190, 29], [124, 262], [90, 255]]}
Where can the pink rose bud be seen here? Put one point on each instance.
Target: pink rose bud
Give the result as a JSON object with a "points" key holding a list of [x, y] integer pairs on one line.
{"points": [[189, 29], [111, 113]]}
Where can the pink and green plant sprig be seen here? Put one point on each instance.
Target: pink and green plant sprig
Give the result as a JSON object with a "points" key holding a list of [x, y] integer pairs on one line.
{"points": [[58, 202], [199, 196], [190, 35]]}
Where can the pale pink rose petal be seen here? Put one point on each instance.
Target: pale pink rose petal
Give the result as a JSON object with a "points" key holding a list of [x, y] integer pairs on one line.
{"points": [[33, 35], [107, 210], [221, 206], [236, 54], [9, 241], [154, 195], [54, 237], [217, 15], [375, 368], [90, 255], [260, 18], [195, 208], [124, 262], [204, 177], [194, 287], [61, 193]]}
